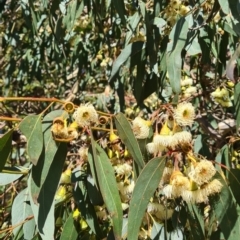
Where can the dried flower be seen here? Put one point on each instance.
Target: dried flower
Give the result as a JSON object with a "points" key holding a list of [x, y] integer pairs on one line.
{"points": [[72, 132], [212, 187], [140, 128], [83, 153], [168, 191], [202, 172], [59, 128], [123, 169], [126, 188], [167, 172], [186, 82], [190, 91], [152, 148], [190, 196], [183, 137], [85, 115], [163, 140], [184, 114], [178, 184]]}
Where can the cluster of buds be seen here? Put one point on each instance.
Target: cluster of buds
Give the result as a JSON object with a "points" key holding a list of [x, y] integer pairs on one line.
{"points": [[222, 96], [65, 188], [235, 154], [196, 184], [187, 88], [77, 217]]}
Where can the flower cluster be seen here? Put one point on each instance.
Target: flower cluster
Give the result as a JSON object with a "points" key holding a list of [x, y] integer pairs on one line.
{"points": [[221, 96], [187, 88], [174, 10], [84, 116], [172, 133], [196, 185]]}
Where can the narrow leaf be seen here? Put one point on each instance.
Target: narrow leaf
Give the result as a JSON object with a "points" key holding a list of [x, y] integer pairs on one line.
{"points": [[225, 211], [231, 64], [69, 230], [6, 178], [177, 42], [224, 6], [20, 211], [196, 221], [41, 182], [109, 188], [120, 8], [31, 127], [46, 230], [126, 134], [86, 208], [234, 180], [129, 51], [5, 147], [146, 184], [237, 103], [49, 188]]}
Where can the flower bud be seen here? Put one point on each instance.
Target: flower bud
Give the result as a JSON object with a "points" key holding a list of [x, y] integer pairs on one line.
{"points": [[76, 214], [66, 176], [83, 224], [59, 222]]}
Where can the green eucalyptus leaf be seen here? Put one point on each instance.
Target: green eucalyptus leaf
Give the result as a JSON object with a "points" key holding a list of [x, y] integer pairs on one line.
{"points": [[224, 208], [47, 225], [179, 217], [178, 38], [124, 228], [157, 231], [146, 184], [31, 127], [109, 188], [126, 135], [5, 148], [138, 82], [69, 230], [20, 211], [120, 8], [7, 178], [133, 21], [224, 6], [196, 220], [41, 181], [193, 48], [223, 158], [91, 154], [237, 103], [129, 51], [94, 194], [85, 206], [234, 181]]}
